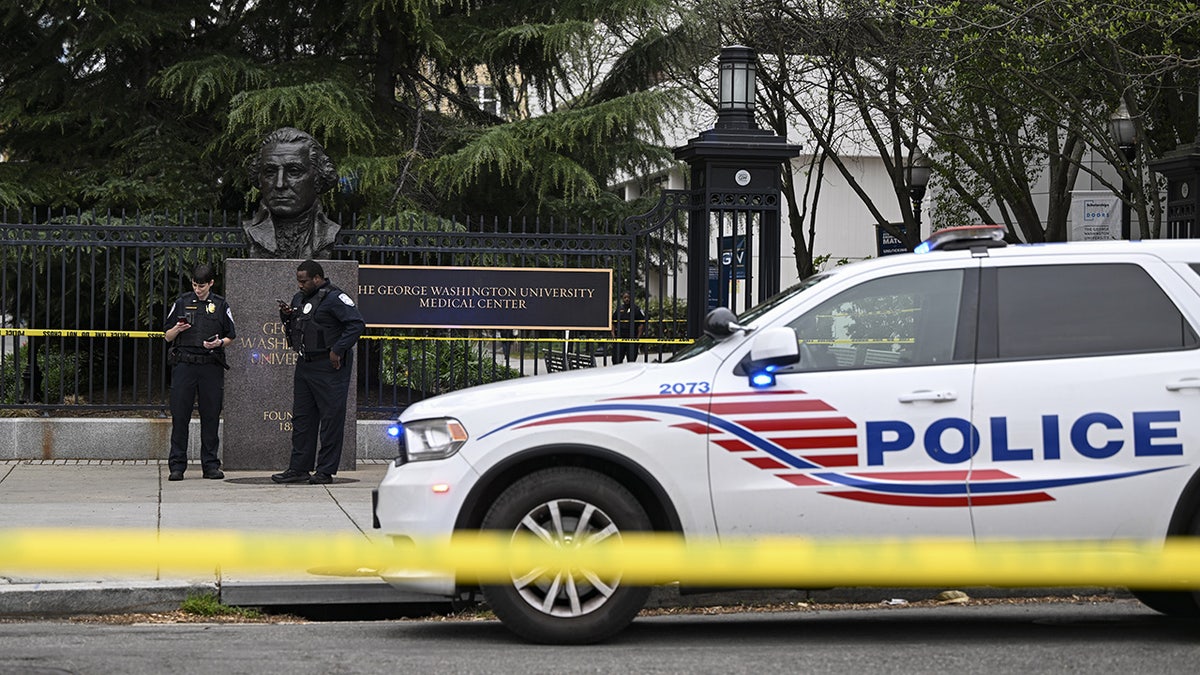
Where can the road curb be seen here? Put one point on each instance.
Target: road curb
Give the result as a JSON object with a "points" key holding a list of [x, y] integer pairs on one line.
{"points": [[97, 597], [364, 591]]}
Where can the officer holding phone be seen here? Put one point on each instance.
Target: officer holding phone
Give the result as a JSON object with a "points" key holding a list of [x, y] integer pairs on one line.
{"points": [[199, 327], [322, 325]]}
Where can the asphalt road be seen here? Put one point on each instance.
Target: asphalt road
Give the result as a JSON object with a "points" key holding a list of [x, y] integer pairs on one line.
{"points": [[1106, 637]]}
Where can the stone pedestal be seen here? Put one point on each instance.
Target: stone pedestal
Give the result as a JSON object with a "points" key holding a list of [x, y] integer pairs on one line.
{"points": [[257, 432]]}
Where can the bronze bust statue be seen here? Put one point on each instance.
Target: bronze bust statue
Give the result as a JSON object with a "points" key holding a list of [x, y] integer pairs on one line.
{"points": [[291, 171]]}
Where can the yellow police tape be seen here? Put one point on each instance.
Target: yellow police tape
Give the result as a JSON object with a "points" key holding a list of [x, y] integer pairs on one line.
{"points": [[637, 558], [57, 332]]}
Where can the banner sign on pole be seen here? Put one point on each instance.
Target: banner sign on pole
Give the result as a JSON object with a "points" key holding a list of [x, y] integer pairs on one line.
{"points": [[714, 285], [1095, 216], [733, 256], [393, 296], [887, 244]]}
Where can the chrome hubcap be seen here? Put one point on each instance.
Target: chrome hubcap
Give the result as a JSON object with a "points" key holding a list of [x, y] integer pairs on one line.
{"points": [[569, 591]]}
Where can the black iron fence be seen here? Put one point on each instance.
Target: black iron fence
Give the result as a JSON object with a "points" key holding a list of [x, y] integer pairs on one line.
{"points": [[83, 297]]}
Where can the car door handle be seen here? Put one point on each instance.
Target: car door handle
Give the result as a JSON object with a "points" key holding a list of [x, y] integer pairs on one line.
{"points": [[928, 395], [1184, 383]]}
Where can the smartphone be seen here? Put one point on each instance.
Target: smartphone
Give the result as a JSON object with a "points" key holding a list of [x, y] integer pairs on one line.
{"points": [[284, 303], [182, 318]]}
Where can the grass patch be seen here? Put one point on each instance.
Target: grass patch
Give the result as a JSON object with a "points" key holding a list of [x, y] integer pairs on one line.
{"points": [[208, 604]]}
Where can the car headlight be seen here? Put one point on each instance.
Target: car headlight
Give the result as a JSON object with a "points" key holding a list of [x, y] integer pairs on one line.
{"points": [[433, 439]]}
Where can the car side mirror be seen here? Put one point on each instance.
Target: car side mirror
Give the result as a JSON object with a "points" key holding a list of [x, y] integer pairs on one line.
{"points": [[770, 350], [718, 321], [721, 322]]}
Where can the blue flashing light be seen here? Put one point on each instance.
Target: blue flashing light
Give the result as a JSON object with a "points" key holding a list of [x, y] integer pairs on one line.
{"points": [[923, 247], [394, 431], [763, 378]]}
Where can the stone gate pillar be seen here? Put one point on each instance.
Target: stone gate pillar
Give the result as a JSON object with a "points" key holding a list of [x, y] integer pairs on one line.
{"points": [[257, 433]]}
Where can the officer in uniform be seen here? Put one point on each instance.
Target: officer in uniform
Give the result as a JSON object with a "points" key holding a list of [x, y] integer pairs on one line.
{"points": [[322, 324], [628, 322], [199, 327]]}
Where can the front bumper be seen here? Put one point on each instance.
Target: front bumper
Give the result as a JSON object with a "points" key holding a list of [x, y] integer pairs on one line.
{"points": [[418, 503]]}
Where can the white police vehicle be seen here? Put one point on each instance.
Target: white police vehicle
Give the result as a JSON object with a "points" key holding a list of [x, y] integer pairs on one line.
{"points": [[982, 391]]}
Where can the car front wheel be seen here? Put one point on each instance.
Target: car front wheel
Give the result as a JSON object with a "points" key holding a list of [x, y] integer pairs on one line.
{"points": [[566, 507], [1181, 603]]}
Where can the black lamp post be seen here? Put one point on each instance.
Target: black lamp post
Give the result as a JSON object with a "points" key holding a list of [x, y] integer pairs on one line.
{"points": [[1124, 133], [735, 189], [736, 88], [917, 173]]}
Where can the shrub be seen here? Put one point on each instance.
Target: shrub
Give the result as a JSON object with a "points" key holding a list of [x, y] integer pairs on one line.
{"points": [[667, 319], [439, 366], [57, 375]]}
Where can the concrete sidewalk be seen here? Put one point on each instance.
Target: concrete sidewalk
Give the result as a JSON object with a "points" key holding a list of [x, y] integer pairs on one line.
{"points": [[95, 494], [104, 494]]}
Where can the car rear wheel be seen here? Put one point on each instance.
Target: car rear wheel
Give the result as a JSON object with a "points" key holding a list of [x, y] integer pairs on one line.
{"points": [[1174, 603], [566, 506]]}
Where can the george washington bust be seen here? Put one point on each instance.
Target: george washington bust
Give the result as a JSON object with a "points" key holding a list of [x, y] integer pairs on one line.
{"points": [[291, 171]]}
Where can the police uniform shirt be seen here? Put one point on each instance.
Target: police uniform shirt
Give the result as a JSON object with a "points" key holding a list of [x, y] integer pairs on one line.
{"points": [[336, 318], [625, 319], [208, 317]]}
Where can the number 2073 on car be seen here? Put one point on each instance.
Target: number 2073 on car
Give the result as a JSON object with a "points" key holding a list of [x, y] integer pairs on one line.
{"points": [[683, 388]]}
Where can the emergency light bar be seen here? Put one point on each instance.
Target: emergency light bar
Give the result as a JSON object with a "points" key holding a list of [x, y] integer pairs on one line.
{"points": [[965, 237]]}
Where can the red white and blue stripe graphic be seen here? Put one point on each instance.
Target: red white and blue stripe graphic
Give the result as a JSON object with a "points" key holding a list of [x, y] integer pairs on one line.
{"points": [[805, 441]]}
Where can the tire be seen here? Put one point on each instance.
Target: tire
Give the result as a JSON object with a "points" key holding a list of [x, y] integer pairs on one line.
{"points": [[1184, 604], [568, 606]]}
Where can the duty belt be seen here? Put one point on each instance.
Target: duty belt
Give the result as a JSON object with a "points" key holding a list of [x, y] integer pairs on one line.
{"points": [[186, 357], [316, 356]]}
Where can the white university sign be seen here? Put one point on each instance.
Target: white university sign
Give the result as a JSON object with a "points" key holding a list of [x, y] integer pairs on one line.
{"points": [[1095, 216]]}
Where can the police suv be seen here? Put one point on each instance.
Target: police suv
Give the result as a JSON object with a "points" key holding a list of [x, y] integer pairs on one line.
{"points": [[978, 391]]}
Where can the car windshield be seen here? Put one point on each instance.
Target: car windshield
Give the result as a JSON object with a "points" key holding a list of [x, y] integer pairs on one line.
{"points": [[707, 342]]}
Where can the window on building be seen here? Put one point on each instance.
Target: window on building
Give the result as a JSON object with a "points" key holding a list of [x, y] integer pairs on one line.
{"points": [[485, 97]]}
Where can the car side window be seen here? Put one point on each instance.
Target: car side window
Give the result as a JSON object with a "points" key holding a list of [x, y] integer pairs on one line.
{"points": [[901, 320], [1053, 311]]}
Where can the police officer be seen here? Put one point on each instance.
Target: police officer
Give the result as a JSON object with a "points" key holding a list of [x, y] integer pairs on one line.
{"points": [[628, 322], [322, 324], [199, 327]]}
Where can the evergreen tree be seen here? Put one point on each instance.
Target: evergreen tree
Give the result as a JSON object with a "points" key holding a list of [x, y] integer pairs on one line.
{"points": [[157, 104]]}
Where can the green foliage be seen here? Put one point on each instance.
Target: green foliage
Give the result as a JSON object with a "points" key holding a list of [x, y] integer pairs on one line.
{"points": [[11, 368], [410, 221], [58, 372], [550, 39], [208, 604], [569, 154], [151, 106], [328, 109], [86, 300], [667, 319], [439, 366], [1008, 99], [820, 261], [202, 82], [16, 193]]}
